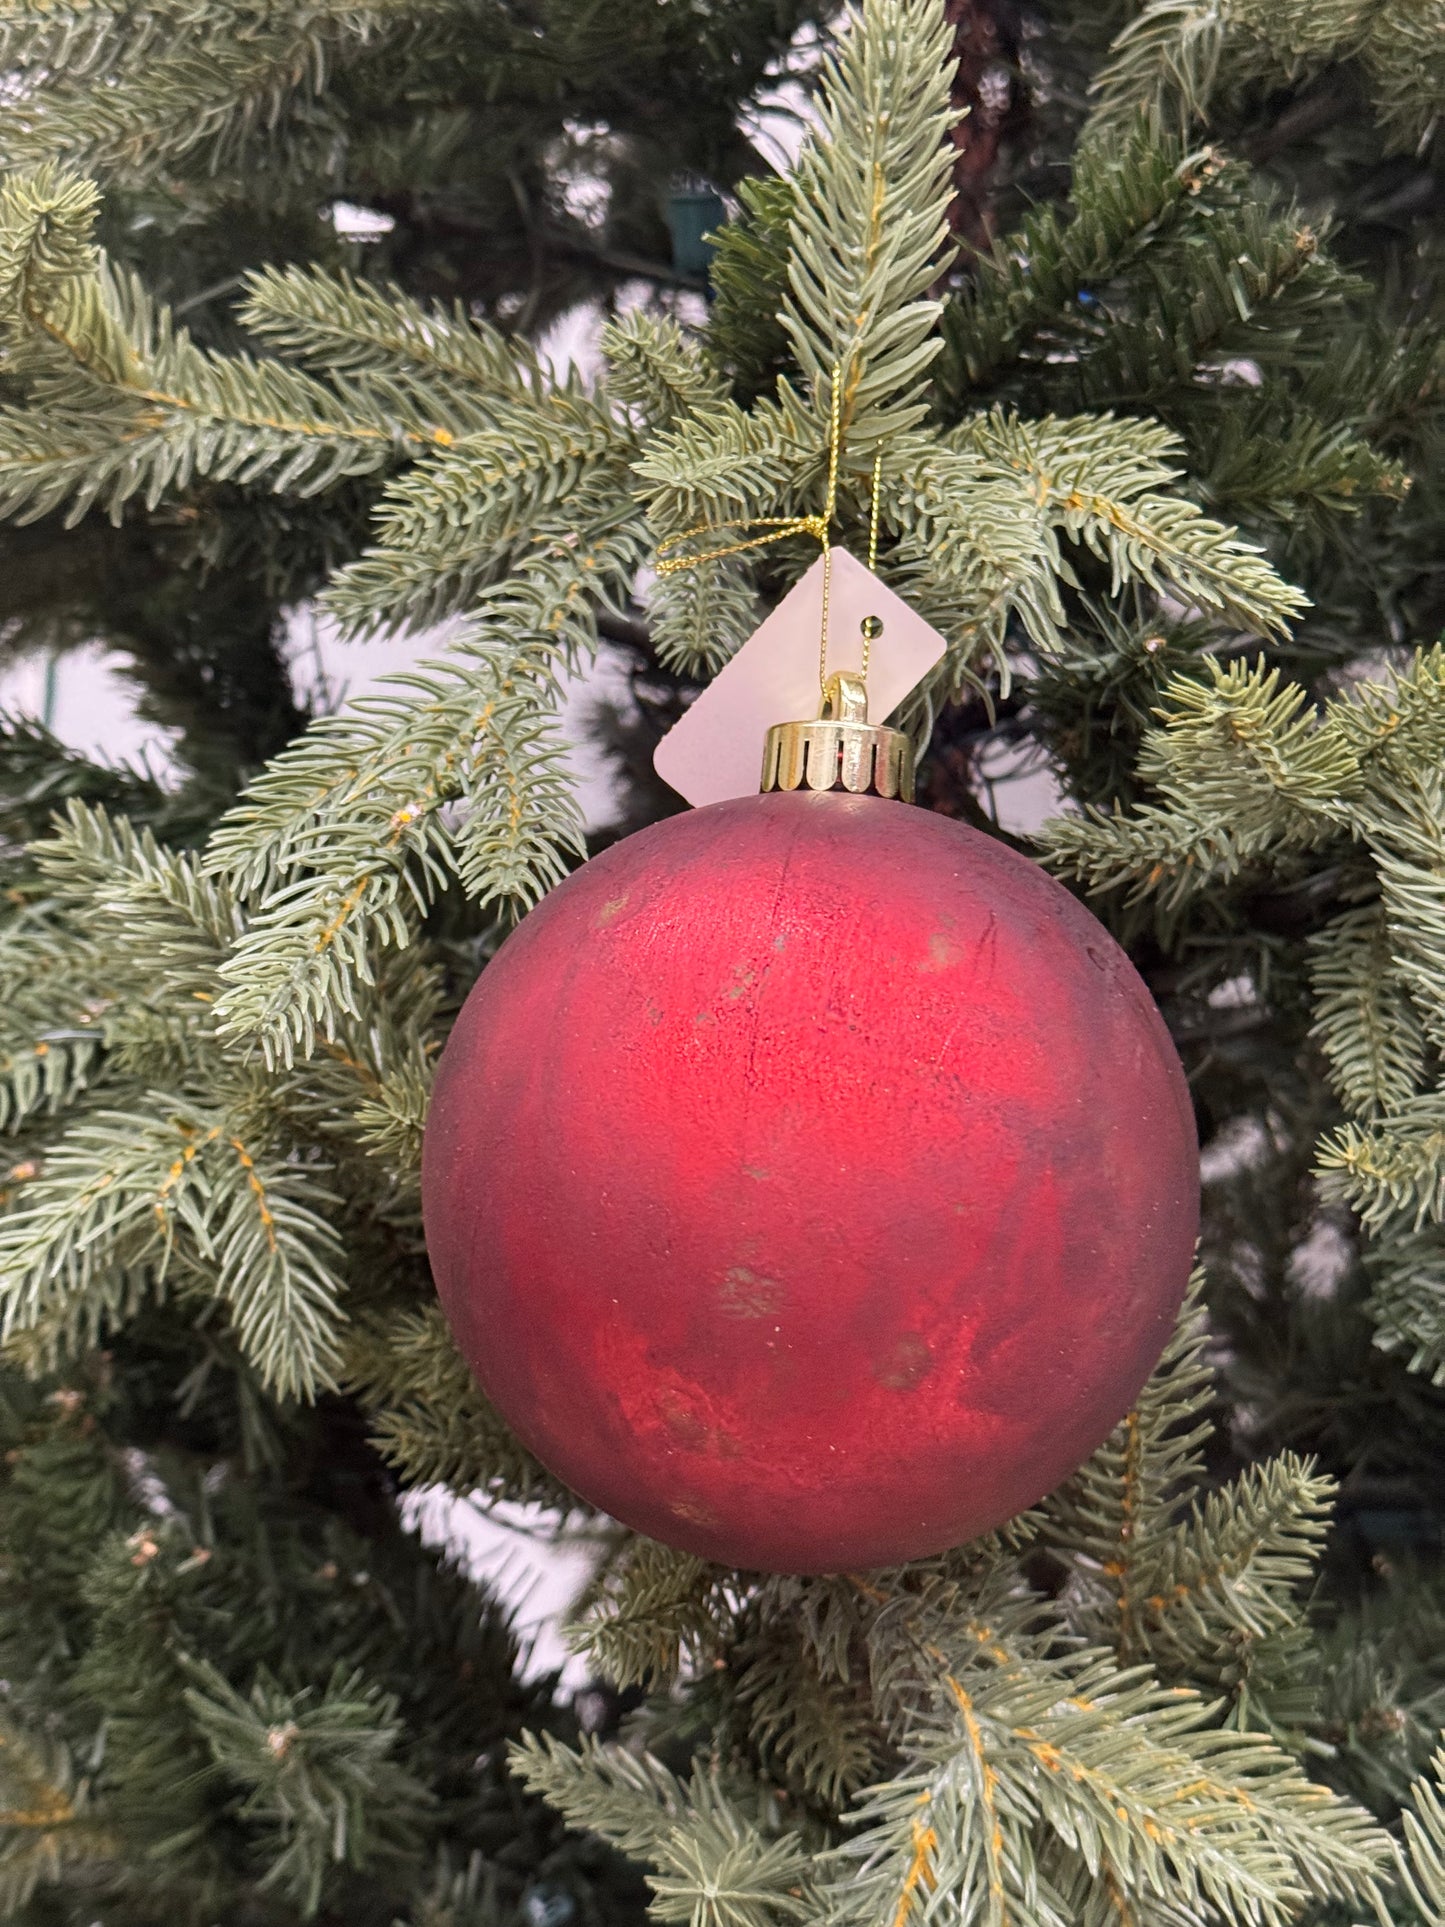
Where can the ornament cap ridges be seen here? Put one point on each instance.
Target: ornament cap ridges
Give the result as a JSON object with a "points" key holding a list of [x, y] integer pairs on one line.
{"points": [[839, 748]]}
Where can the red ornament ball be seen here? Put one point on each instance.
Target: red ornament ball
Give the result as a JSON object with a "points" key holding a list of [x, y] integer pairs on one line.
{"points": [[811, 1182]]}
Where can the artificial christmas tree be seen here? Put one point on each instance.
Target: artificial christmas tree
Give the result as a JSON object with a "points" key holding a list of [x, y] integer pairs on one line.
{"points": [[1171, 1691]]}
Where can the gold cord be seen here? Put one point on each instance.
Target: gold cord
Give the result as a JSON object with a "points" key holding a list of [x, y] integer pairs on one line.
{"points": [[833, 437], [779, 527], [871, 624]]}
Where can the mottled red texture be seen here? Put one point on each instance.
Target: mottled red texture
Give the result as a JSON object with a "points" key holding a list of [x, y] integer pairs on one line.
{"points": [[811, 1182]]}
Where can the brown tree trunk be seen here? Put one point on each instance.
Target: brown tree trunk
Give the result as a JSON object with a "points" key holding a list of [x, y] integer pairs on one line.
{"points": [[991, 104]]}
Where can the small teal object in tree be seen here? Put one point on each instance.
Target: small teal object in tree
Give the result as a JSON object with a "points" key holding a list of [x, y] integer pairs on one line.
{"points": [[694, 211]]}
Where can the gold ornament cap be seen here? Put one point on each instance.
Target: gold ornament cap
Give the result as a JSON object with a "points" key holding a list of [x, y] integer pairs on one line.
{"points": [[841, 749]]}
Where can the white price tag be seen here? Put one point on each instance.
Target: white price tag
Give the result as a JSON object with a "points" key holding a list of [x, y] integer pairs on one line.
{"points": [[715, 751]]}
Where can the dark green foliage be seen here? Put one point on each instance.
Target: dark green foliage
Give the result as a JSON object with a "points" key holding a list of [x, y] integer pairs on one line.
{"points": [[749, 279], [237, 1687]]}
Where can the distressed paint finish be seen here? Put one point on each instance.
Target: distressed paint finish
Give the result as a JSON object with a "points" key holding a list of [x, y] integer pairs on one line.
{"points": [[811, 1182]]}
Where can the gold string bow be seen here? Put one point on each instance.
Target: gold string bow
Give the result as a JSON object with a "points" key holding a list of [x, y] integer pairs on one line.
{"points": [[779, 527]]}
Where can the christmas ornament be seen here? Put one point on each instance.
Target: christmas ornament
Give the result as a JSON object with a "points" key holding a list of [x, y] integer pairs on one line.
{"points": [[810, 1180], [711, 753]]}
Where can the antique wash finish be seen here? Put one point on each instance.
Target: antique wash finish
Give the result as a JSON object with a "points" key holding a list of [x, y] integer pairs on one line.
{"points": [[811, 1182]]}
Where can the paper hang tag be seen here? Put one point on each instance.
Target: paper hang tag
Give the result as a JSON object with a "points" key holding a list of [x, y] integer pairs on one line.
{"points": [[716, 750]]}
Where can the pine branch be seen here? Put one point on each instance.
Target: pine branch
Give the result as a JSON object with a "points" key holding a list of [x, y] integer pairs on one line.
{"points": [[171, 1190], [133, 407], [269, 1012], [179, 921], [1392, 1172], [1111, 1520], [980, 540], [126, 404], [1404, 59], [1122, 198], [47, 1821], [699, 618], [1246, 742], [721, 1871], [1261, 290], [713, 1866], [344, 840], [390, 1117], [831, 1614], [542, 477], [429, 1417], [1408, 845], [1166, 63], [90, 37], [977, 517], [1176, 53], [140, 932], [188, 86], [312, 1772], [1211, 1599], [723, 465], [1245, 769], [983, 516], [1364, 1020], [39, 775], [656, 1610], [143, 1580], [1229, 1575], [1407, 1302], [1101, 482], [1269, 461], [1112, 1771], [1151, 854], [46, 220], [346, 863], [630, 1799], [817, 1729], [1422, 1869], [51, 1001], [657, 370], [747, 337], [346, 326], [870, 219], [1397, 723]]}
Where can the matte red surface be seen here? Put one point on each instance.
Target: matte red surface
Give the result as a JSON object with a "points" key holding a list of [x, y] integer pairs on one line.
{"points": [[811, 1182]]}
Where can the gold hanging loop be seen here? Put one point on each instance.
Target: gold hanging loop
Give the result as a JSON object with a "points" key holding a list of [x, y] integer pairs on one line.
{"points": [[778, 528], [839, 748]]}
